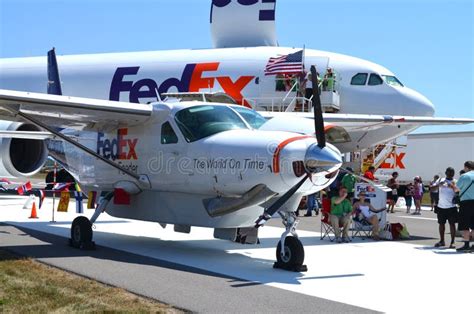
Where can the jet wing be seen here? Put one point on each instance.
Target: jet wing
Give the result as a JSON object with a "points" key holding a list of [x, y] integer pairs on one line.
{"points": [[291, 120], [65, 111]]}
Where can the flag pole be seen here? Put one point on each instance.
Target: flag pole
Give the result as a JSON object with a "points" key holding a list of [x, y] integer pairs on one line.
{"points": [[54, 183]]}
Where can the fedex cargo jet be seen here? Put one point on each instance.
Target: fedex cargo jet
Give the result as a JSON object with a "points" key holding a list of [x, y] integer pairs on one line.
{"points": [[249, 66]]}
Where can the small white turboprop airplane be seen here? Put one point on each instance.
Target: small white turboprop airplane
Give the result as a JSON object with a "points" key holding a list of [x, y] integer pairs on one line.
{"points": [[200, 163], [261, 75], [182, 163]]}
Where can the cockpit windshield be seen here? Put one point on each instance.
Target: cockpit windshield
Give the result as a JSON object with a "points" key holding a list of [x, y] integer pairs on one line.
{"points": [[392, 80], [253, 118], [202, 121]]}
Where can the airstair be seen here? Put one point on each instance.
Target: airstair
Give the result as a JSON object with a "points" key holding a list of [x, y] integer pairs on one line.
{"points": [[287, 97]]}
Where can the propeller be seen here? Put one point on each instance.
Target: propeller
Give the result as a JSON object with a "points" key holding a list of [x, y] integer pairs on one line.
{"points": [[320, 157], [317, 110]]}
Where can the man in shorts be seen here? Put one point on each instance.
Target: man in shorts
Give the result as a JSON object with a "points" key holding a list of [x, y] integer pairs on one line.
{"points": [[465, 187], [446, 209]]}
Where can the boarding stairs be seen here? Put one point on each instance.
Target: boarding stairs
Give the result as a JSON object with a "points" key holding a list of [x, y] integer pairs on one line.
{"points": [[292, 99]]}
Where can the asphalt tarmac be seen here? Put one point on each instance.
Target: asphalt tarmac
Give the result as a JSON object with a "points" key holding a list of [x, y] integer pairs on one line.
{"points": [[188, 288], [193, 288]]}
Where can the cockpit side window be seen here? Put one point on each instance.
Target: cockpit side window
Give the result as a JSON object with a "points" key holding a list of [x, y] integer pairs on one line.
{"points": [[359, 79], [375, 79], [168, 136]]}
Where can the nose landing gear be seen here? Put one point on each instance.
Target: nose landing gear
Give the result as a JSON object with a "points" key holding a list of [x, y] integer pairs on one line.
{"points": [[290, 250]]}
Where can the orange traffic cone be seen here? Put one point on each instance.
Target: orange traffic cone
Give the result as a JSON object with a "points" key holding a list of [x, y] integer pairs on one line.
{"points": [[33, 211]]}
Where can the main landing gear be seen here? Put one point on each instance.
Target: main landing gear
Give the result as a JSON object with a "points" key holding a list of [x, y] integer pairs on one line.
{"points": [[81, 228], [290, 250]]}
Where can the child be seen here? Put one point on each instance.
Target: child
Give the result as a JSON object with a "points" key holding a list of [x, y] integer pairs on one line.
{"points": [[418, 195], [409, 192]]}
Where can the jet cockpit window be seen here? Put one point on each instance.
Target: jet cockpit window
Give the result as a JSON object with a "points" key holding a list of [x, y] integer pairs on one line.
{"points": [[168, 136], [253, 118], [359, 79], [375, 79], [202, 121], [392, 80]]}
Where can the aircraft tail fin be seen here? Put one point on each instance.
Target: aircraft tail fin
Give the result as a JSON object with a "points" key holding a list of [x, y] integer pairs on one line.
{"points": [[54, 83], [243, 23]]}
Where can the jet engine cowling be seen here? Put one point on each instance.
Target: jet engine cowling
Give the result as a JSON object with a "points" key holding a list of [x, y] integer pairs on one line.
{"points": [[21, 157]]}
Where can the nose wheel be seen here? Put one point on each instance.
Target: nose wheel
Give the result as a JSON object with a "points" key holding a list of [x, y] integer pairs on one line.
{"points": [[290, 250]]}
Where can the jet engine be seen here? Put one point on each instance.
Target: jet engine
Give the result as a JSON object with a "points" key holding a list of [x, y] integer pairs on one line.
{"points": [[21, 157]]}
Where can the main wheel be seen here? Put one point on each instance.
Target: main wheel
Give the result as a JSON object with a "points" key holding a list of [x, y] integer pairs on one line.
{"points": [[81, 232], [292, 255]]}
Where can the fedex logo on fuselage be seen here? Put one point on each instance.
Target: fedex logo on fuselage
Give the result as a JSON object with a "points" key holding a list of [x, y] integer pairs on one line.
{"points": [[192, 80], [121, 147]]}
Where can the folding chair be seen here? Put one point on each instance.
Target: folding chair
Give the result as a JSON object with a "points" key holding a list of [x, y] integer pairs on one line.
{"points": [[326, 227], [361, 227]]}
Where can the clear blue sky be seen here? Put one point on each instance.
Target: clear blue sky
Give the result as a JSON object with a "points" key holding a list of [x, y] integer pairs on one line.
{"points": [[427, 43]]}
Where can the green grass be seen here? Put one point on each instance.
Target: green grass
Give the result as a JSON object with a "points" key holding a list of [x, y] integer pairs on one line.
{"points": [[27, 286]]}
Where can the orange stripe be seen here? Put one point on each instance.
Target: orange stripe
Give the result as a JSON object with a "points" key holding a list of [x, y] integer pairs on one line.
{"points": [[276, 154]]}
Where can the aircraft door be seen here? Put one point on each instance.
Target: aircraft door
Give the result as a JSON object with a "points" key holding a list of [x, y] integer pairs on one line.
{"points": [[170, 150]]}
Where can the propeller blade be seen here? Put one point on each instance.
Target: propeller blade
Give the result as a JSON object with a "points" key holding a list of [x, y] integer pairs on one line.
{"points": [[268, 213], [317, 110]]}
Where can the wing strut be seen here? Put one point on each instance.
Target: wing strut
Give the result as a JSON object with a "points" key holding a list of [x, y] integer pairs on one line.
{"points": [[142, 179]]}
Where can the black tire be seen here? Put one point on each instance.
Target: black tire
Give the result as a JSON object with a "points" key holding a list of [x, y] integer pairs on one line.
{"points": [[81, 232], [294, 253]]}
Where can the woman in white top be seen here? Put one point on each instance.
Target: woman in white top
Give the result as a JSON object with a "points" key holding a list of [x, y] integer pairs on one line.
{"points": [[369, 213]]}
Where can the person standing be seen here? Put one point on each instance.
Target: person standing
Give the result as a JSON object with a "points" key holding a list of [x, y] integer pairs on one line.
{"points": [[393, 196], [417, 195], [434, 192], [465, 187], [341, 214], [446, 210], [348, 181], [311, 204], [409, 192]]}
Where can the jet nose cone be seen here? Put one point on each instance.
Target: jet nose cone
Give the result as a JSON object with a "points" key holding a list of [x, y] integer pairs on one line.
{"points": [[418, 104], [322, 159]]}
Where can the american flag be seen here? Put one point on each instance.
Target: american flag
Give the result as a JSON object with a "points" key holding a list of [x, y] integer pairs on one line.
{"points": [[287, 64]]}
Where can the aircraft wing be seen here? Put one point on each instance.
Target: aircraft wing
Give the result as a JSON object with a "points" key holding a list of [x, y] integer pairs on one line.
{"points": [[356, 121], [65, 111]]}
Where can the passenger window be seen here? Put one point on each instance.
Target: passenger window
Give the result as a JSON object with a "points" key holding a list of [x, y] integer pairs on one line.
{"points": [[359, 79], [168, 136], [374, 79]]}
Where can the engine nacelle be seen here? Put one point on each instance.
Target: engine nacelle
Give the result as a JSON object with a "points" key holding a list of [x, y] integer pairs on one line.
{"points": [[21, 157]]}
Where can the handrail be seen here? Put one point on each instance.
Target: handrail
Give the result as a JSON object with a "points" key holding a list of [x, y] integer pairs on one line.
{"points": [[290, 91]]}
